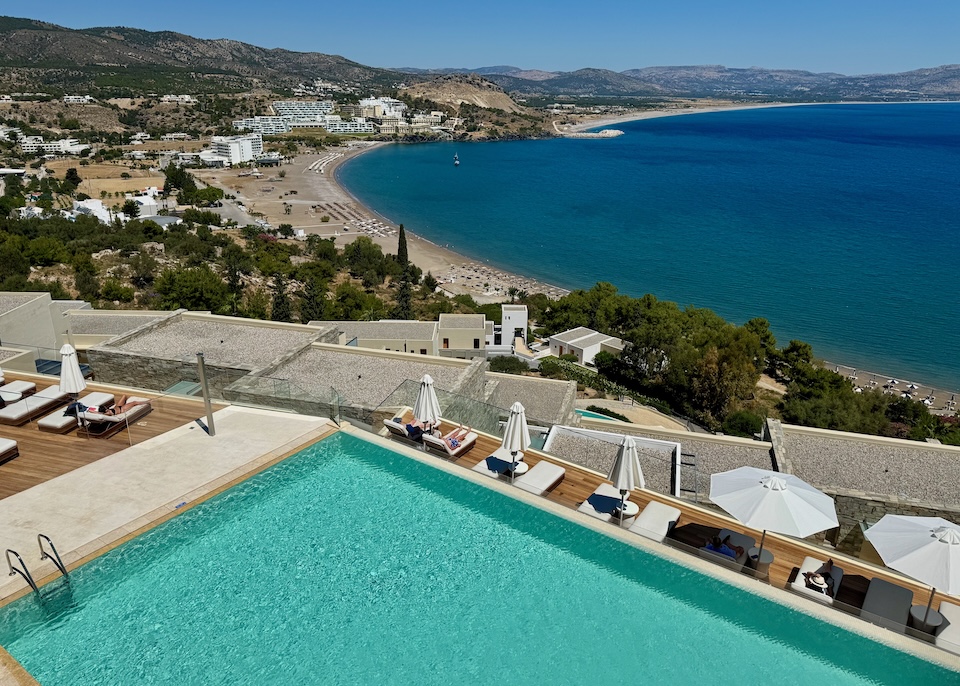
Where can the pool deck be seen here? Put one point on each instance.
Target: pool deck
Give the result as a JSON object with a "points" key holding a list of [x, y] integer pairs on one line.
{"points": [[695, 526], [45, 456]]}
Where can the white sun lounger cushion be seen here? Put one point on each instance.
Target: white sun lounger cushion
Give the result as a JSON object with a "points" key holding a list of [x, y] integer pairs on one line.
{"points": [[32, 404], [812, 564], [18, 387], [57, 421], [7, 445], [496, 464], [887, 604], [949, 636], [656, 520], [541, 478]]}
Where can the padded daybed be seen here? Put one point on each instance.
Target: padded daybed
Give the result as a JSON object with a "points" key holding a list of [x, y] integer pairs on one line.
{"points": [[25, 409], [60, 423], [602, 504], [656, 520], [22, 388], [887, 605], [438, 446], [948, 637], [543, 477], [103, 426], [812, 564], [8, 450], [497, 464]]}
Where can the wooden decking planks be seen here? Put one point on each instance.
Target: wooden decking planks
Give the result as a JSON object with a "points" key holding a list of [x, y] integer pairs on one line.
{"points": [[44, 456], [578, 483]]}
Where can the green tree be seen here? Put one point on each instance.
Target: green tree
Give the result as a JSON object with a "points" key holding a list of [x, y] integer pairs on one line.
{"points": [[192, 288], [113, 290], [402, 256], [13, 261], [508, 365], [73, 177], [429, 285], [313, 301], [131, 208], [255, 303], [143, 269], [404, 305], [280, 310]]}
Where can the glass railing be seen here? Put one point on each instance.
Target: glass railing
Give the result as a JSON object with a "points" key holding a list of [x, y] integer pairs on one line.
{"points": [[279, 394]]}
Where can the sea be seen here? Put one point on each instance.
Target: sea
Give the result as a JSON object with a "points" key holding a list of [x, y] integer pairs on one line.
{"points": [[840, 224]]}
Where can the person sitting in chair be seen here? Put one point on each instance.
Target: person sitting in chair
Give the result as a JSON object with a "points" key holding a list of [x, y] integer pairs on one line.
{"points": [[723, 547], [416, 429], [121, 406], [821, 580]]}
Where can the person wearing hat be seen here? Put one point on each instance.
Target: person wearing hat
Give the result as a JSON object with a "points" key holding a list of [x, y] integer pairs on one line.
{"points": [[821, 580]]}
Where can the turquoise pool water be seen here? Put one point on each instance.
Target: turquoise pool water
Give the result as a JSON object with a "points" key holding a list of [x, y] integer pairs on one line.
{"points": [[352, 564], [592, 415]]}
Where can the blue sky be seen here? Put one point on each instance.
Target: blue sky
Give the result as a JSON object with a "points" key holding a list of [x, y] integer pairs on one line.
{"points": [[847, 36]]}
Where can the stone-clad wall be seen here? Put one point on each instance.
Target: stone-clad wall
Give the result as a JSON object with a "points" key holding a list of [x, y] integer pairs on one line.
{"points": [[854, 507], [123, 368]]}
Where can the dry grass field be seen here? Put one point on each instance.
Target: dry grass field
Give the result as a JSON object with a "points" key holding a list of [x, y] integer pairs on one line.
{"points": [[106, 177]]}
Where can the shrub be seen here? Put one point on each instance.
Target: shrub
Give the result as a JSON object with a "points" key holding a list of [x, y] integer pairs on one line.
{"points": [[114, 290], [550, 368], [608, 412], [742, 423], [508, 365]]}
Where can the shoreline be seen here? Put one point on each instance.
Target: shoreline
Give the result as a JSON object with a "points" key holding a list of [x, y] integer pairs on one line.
{"points": [[459, 274]]}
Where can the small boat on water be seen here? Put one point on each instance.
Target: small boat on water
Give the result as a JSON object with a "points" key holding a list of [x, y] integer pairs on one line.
{"points": [[456, 160]]}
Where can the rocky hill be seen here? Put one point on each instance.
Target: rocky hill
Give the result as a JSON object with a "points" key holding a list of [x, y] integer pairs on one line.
{"points": [[37, 56], [455, 90], [724, 82]]}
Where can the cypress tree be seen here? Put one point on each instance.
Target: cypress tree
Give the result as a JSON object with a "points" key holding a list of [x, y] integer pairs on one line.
{"points": [[281, 310], [402, 256], [313, 301]]}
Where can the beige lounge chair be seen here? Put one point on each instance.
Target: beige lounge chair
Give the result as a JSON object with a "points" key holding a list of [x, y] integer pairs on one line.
{"points": [[440, 447], [602, 503], [61, 423], [887, 605], [812, 564], [8, 450], [498, 464], [948, 637], [25, 409], [100, 425], [541, 478], [656, 520]]}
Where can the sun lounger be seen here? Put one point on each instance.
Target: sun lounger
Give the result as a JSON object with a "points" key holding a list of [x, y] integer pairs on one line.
{"points": [[740, 540], [100, 425], [948, 637], [8, 450], [442, 448], [603, 503], [61, 423], [498, 464], [887, 605], [656, 520], [543, 477], [812, 564], [22, 411], [22, 387], [396, 428]]}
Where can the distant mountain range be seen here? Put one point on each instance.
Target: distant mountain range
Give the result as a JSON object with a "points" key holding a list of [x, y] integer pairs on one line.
{"points": [[721, 82], [40, 57]]}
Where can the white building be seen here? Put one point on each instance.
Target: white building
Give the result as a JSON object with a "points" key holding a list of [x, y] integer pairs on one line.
{"points": [[585, 344], [383, 107], [78, 99], [140, 137], [175, 137], [65, 146], [355, 125], [179, 99], [235, 149], [265, 126], [303, 108], [147, 204], [96, 208]]}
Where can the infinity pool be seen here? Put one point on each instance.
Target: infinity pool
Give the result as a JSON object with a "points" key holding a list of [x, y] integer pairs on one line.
{"points": [[352, 564]]}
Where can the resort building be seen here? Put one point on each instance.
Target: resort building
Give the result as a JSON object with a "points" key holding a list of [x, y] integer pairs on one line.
{"points": [[229, 151], [32, 145], [78, 99], [303, 108], [178, 99], [585, 344]]}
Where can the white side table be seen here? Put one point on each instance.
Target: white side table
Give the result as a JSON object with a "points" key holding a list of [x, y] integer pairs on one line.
{"points": [[762, 565]]}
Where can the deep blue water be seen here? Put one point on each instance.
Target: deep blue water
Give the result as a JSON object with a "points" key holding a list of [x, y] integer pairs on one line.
{"points": [[838, 223]]}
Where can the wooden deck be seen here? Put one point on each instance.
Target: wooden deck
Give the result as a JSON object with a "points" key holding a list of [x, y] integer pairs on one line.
{"points": [[44, 456], [579, 483]]}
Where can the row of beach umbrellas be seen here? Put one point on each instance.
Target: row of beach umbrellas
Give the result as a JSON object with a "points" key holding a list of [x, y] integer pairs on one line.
{"points": [[924, 548]]}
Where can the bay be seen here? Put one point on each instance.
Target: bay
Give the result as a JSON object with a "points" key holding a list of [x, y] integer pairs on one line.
{"points": [[838, 223]]}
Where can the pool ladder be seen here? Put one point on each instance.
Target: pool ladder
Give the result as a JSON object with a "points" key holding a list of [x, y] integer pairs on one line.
{"points": [[23, 571]]}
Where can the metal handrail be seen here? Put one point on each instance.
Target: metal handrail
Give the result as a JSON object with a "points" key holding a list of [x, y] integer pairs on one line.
{"points": [[24, 572], [55, 558]]}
